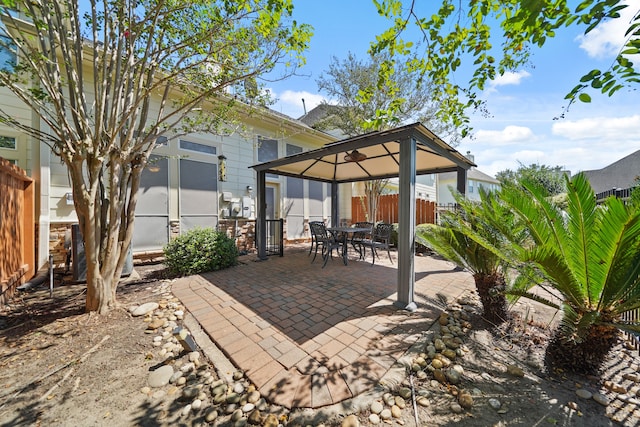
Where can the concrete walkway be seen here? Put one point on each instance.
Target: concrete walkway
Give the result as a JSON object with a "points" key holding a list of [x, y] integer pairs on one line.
{"points": [[311, 337]]}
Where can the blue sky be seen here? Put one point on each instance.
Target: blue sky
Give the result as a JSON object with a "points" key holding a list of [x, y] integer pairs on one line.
{"points": [[522, 105]]}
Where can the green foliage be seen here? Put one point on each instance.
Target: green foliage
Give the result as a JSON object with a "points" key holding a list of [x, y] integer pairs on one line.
{"points": [[473, 236], [362, 105], [589, 254], [200, 250], [635, 193], [496, 36], [477, 237], [551, 178], [365, 102]]}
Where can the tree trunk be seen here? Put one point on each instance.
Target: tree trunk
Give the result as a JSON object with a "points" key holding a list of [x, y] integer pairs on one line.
{"points": [[491, 289], [585, 357], [101, 296], [106, 223]]}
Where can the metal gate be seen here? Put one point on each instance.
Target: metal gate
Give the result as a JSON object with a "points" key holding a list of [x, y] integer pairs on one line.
{"points": [[275, 228]]}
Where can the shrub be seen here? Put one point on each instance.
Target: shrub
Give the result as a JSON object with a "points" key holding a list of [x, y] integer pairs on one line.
{"points": [[200, 250], [589, 255]]}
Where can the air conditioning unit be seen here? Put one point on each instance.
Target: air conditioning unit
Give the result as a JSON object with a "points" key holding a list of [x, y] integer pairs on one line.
{"points": [[79, 261]]}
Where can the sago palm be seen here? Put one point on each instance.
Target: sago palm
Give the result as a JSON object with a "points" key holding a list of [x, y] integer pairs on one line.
{"points": [[473, 238], [590, 255]]}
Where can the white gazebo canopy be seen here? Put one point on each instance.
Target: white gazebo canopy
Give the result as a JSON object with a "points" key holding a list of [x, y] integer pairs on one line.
{"points": [[402, 152]]}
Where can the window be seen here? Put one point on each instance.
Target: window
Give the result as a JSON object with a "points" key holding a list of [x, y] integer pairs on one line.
{"points": [[293, 149], [8, 52], [470, 185], [200, 148], [267, 149], [8, 142]]}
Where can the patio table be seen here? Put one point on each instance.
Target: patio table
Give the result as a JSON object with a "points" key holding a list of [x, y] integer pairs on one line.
{"points": [[345, 232]]}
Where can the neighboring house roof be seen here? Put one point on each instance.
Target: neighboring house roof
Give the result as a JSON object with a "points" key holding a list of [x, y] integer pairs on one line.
{"points": [[620, 174], [319, 113], [477, 175], [316, 114], [473, 174]]}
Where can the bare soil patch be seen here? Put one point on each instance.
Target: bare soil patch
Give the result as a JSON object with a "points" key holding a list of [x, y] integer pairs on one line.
{"points": [[62, 367]]}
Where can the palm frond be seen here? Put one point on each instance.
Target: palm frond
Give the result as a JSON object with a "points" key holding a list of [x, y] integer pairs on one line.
{"points": [[568, 322], [547, 217], [526, 208], [581, 213], [619, 247], [586, 320], [443, 241], [553, 265], [534, 297], [526, 277], [627, 296], [627, 327]]}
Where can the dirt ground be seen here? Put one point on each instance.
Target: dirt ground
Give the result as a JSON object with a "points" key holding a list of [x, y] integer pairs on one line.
{"points": [[62, 367]]}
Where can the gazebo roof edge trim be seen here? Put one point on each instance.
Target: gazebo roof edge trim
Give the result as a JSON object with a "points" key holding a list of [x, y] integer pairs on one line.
{"points": [[426, 140]]}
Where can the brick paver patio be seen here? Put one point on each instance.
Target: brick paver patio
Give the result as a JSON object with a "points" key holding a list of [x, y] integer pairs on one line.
{"points": [[308, 336]]}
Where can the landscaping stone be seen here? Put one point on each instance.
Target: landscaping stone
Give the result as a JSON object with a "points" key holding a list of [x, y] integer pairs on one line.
{"points": [[601, 399], [376, 407], [584, 394], [143, 309], [350, 421], [160, 377]]}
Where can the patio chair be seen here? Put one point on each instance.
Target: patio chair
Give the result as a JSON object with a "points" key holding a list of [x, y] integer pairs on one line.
{"points": [[358, 237], [324, 239], [314, 243], [381, 239]]}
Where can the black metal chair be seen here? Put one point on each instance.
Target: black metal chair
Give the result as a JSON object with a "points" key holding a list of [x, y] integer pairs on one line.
{"points": [[358, 237], [327, 241], [314, 243], [381, 239]]}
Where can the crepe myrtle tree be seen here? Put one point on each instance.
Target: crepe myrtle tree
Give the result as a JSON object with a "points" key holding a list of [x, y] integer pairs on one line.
{"points": [[107, 79], [493, 37]]}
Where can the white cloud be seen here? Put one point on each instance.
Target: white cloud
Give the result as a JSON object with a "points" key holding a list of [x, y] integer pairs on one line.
{"points": [[608, 129], [563, 148], [607, 38], [510, 78], [510, 135], [507, 79], [290, 102]]}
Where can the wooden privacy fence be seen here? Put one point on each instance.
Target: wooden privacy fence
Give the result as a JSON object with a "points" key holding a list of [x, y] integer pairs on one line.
{"points": [[17, 234], [388, 210]]}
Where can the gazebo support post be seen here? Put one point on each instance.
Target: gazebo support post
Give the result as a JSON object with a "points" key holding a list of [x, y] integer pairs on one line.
{"points": [[334, 204], [261, 215], [462, 181], [407, 225]]}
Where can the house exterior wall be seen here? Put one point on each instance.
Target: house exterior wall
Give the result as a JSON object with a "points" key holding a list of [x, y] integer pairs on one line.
{"points": [[447, 182], [54, 206], [20, 154], [240, 154]]}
